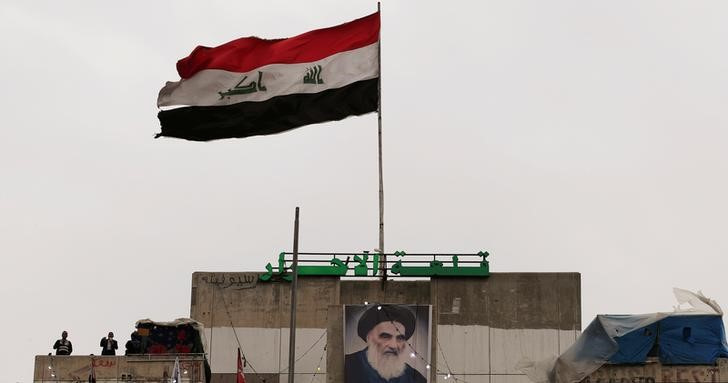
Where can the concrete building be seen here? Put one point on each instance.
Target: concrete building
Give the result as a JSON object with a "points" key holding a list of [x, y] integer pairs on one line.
{"points": [[481, 327], [138, 368]]}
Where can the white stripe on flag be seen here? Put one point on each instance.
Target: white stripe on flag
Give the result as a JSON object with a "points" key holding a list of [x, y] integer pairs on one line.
{"points": [[337, 70]]}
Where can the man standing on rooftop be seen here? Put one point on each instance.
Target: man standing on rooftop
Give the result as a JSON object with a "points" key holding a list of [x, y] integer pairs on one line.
{"points": [[63, 346]]}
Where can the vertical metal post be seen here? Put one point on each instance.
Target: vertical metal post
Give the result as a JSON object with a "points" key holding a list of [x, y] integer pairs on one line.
{"points": [[383, 257], [292, 336]]}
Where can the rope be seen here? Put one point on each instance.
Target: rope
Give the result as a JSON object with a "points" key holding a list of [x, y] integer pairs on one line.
{"points": [[318, 367], [237, 339], [230, 319], [307, 351]]}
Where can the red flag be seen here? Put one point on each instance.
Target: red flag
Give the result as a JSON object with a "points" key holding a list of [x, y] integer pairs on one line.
{"points": [[241, 376]]}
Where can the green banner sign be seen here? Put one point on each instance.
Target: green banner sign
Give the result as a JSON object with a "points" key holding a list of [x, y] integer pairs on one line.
{"points": [[365, 264]]}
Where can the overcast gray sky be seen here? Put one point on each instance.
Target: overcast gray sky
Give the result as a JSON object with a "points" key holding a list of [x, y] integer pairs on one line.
{"points": [[585, 136]]}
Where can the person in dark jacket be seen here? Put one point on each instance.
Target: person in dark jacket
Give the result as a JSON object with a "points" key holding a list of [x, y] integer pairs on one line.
{"points": [[385, 329], [108, 345], [63, 346], [134, 345]]}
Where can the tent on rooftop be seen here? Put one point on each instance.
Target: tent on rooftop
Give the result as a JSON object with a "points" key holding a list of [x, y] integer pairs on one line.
{"points": [[693, 335]]}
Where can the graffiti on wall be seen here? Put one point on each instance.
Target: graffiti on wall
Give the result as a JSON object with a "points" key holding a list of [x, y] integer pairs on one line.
{"points": [[237, 281], [105, 362], [666, 374]]}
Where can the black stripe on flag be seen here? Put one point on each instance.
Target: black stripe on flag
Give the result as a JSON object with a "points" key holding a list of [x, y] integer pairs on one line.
{"points": [[278, 114]]}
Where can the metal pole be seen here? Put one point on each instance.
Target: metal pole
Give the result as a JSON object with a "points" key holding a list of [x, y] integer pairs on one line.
{"points": [[292, 336], [383, 258]]}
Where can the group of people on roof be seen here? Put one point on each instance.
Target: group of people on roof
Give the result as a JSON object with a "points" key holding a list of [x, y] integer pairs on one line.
{"points": [[108, 345]]}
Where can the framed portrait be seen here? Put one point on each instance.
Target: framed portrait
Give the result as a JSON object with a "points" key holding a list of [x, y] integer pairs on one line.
{"points": [[387, 341]]}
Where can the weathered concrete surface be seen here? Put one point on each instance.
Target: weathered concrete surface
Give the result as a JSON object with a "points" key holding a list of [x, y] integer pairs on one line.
{"points": [[504, 300], [411, 292], [335, 332], [265, 305], [654, 372], [265, 349], [146, 368], [499, 319], [513, 300]]}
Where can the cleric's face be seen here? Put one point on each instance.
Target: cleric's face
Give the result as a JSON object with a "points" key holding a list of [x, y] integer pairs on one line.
{"points": [[387, 338], [385, 352]]}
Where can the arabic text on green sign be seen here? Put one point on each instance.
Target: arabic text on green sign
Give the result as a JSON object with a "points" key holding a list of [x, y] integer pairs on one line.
{"points": [[363, 267]]}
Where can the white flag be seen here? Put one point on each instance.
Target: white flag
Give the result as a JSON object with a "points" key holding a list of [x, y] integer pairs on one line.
{"points": [[176, 378]]}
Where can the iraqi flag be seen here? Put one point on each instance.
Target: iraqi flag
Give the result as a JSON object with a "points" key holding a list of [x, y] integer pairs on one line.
{"points": [[252, 86]]}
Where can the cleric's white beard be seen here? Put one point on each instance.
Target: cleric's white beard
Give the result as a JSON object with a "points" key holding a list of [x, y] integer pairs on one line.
{"points": [[387, 365]]}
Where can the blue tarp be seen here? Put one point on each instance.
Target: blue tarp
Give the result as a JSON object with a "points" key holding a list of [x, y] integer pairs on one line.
{"points": [[675, 339], [635, 346], [692, 334]]}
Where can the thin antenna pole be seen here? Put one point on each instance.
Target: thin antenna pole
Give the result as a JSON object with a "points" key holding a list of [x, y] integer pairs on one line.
{"points": [[383, 260], [294, 283]]}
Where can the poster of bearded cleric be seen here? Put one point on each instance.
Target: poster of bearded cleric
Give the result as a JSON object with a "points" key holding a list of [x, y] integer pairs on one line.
{"points": [[387, 343]]}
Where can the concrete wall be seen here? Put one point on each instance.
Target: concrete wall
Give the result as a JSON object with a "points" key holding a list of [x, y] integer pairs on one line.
{"points": [[142, 368], [654, 372], [481, 326]]}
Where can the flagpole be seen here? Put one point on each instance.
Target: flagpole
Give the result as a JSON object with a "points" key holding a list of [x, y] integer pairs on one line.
{"points": [[383, 260], [294, 282]]}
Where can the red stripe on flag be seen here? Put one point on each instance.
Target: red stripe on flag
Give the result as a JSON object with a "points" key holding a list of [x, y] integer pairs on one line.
{"points": [[248, 53]]}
